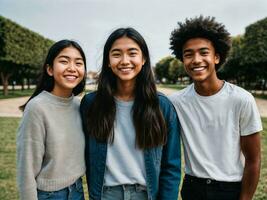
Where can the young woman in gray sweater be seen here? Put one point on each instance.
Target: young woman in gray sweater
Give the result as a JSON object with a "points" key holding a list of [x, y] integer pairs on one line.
{"points": [[50, 140]]}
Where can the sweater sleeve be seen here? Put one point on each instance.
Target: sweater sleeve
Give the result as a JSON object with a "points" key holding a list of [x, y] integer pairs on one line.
{"points": [[30, 151]]}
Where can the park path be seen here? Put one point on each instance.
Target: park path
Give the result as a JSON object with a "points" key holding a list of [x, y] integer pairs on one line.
{"points": [[9, 107]]}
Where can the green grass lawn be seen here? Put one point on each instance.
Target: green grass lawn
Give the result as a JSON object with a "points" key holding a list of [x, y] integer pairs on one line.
{"points": [[16, 93], [20, 93], [8, 190], [172, 86]]}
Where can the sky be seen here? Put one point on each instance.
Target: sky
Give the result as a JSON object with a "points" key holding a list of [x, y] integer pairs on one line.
{"points": [[90, 22]]}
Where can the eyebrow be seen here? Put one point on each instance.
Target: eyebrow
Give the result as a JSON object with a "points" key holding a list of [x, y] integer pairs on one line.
{"points": [[130, 49], [190, 50], [67, 57]]}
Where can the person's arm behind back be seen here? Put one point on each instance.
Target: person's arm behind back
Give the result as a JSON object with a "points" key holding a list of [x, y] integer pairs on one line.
{"points": [[170, 174]]}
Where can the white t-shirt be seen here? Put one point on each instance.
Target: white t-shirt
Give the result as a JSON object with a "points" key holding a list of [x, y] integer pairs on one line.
{"points": [[125, 161], [211, 127]]}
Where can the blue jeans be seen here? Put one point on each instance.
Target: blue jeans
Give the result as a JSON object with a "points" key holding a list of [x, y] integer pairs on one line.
{"points": [[73, 192], [124, 192]]}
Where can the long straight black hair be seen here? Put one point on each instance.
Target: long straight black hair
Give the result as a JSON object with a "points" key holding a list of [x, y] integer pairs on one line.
{"points": [[148, 119], [46, 82]]}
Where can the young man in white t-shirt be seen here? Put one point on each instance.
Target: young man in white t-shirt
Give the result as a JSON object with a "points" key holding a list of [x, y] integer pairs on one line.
{"points": [[220, 122]]}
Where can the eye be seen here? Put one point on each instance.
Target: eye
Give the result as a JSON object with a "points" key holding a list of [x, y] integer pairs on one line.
{"points": [[204, 53], [133, 53], [79, 63], [116, 55], [63, 62], [187, 55]]}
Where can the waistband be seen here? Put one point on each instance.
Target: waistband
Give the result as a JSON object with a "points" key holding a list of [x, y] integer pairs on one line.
{"points": [[136, 187], [208, 181]]}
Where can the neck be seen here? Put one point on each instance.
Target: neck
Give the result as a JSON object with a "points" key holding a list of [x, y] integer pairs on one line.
{"points": [[208, 88], [62, 93], [125, 91]]}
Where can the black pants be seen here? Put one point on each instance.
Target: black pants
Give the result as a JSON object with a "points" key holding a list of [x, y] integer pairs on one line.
{"points": [[207, 189]]}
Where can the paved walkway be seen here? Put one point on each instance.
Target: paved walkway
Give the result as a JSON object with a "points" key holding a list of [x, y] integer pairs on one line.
{"points": [[9, 107]]}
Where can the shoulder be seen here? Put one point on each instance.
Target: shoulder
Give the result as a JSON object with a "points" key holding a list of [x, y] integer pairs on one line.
{"points": [[163, 100], [181, 94], [87, 100], [35, 108], [166, 106], [238, 93], [36, 104], [89, 97]]}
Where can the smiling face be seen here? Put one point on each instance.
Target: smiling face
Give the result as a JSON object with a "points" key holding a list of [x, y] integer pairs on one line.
{"points": [[68, 71], [126, 60], [199, 60]]}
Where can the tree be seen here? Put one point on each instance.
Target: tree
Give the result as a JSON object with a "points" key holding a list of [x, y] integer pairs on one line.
{"points": [[176, 70], [232, 69], [162, 68], [20, 49], [255, 50]]}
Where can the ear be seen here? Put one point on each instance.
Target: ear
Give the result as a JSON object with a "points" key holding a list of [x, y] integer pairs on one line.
{"points": [[144, 61], [49, 70], [217, 58]]}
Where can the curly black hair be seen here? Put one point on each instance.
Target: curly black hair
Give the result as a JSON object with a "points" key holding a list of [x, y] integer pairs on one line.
{"points": [[201, 27]]}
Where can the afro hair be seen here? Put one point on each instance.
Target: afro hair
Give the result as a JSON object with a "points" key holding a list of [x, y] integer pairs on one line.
{"points": [[201, 27]]}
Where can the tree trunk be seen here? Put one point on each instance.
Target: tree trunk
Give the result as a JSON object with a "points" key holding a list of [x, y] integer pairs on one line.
{"points": [[28, 82], [22, 85], [264, 87], [4, 78]]}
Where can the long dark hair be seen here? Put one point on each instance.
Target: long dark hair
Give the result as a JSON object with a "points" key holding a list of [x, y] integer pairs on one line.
{"points": [[46, 82], [148, 120]]}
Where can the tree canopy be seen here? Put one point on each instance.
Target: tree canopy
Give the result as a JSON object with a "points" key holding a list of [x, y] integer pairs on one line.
{"points": [[169, 69], [20, 49]]}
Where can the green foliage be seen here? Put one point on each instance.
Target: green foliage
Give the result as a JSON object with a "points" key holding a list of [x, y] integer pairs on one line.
{"points": [[232, 68], [21, 51], [162, 67], [21, 46], [169, 68], [255, 43], [176, 69], [247, 61]]}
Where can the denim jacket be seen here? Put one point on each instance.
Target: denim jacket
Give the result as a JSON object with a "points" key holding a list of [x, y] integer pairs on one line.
{"points": [[162, 164]]}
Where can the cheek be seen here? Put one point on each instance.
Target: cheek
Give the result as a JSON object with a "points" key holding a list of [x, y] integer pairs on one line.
{"points": [[138, 61], [113, 62], [186, 63], [81, 71]]}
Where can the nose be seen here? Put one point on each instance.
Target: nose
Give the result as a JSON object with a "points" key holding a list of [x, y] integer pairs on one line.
{"points": [[71, 66], [197, 58], [125, 60]]}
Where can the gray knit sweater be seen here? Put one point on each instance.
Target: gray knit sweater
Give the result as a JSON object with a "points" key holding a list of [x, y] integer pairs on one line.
{"points": [[50, 145]]}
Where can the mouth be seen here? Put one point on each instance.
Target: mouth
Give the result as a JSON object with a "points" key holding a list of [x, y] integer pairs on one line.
{"points": [[126, 69], [198, 69], [70, 77]]}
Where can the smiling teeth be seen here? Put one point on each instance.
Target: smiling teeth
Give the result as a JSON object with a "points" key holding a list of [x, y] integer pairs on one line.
{"points": [[125, 69], [198, 69], [70, 77]]}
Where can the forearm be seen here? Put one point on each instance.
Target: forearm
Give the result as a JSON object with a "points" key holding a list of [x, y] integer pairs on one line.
{"points": [[250, 180]]}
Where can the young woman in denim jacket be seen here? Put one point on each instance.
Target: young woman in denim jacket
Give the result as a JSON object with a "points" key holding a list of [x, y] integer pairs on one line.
{"points": [[132, 132]]}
